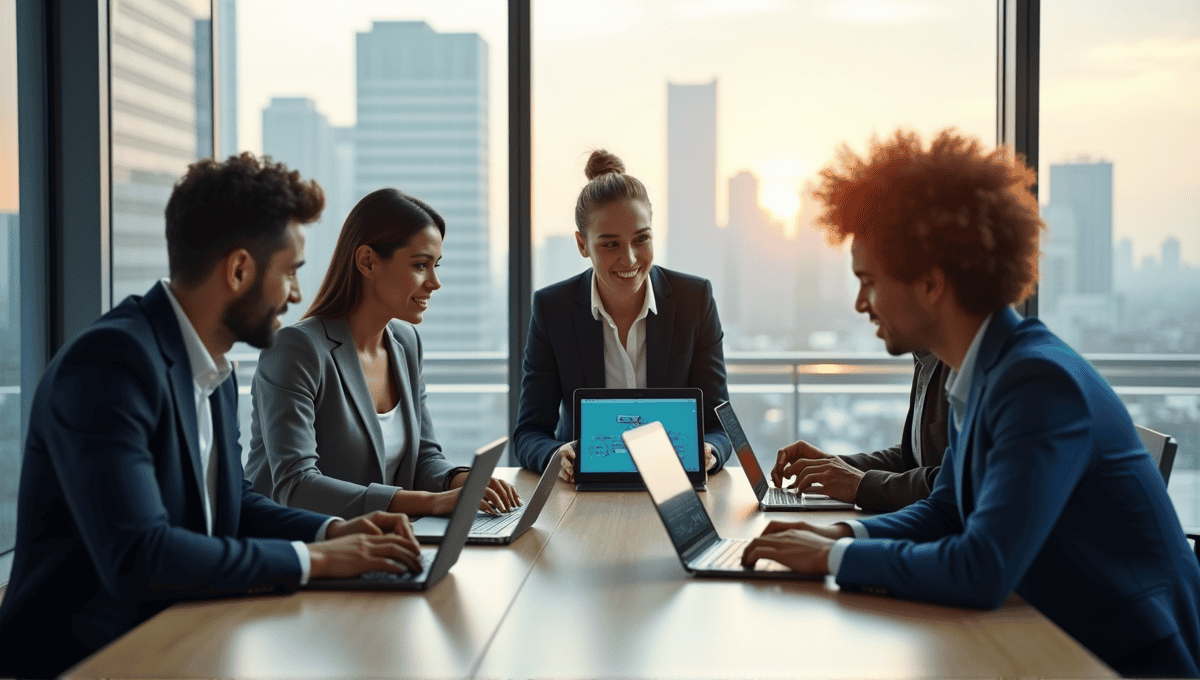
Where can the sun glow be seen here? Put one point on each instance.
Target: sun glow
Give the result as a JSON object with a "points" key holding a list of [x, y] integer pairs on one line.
{"points": [[781, 199]]}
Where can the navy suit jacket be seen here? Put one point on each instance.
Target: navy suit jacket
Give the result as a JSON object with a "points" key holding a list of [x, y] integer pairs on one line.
{"points": [[110, 525], [565, 351], [1046, 491]]}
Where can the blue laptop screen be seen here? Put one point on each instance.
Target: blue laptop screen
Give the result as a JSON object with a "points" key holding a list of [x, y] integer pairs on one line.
{"points": [[603, 420]]}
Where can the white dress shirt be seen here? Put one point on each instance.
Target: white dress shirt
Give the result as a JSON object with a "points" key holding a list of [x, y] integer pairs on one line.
{"points": [[207, 374], [624, 365], [958, 391]]}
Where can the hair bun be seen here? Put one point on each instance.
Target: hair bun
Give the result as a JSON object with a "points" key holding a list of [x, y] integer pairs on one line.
{"points": [[601, 163]]}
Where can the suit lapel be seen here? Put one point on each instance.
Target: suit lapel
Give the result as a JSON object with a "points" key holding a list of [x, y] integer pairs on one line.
{"points": [[1000, 328], [161, 315], [229, 463], [659, 329], [399, 360], [350, 370], [588, 336]]}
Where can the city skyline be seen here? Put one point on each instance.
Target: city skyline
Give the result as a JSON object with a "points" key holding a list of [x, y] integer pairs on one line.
{"points": [[782, 120]]}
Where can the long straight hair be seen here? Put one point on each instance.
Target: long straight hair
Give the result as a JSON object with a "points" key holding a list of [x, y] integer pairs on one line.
{"points": [[385, 219]]}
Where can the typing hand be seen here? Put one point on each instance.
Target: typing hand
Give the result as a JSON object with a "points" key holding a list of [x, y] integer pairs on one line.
{"points": [[359, 553], [791, 453], [837, 478]]}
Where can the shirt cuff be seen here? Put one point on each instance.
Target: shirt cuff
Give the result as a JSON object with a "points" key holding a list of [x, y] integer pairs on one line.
{"points": [[325, 527], [305, 560], [860, 531], [836, 552]]}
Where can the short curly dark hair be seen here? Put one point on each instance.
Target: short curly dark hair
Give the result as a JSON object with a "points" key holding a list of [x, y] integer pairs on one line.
{"points": [[955, 206], [242, 202]]}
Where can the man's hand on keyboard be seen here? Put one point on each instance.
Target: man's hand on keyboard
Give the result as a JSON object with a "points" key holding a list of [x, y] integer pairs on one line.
{"points": [[810, 465], [800, 546], [356, 554]]}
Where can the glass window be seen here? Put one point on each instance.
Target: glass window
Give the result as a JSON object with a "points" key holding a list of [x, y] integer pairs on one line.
{"points": [[161, 88], [10, 284], [726, 111], [406, 94], [1119, 185]]}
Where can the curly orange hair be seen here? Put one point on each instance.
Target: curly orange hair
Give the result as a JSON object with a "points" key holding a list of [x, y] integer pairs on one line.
{"points": [[955, 206]]}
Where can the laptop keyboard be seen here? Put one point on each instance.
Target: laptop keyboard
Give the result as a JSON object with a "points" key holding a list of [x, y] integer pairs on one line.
{"points": [[495, 524], [725, 556], [777, 496], [389, 577]]}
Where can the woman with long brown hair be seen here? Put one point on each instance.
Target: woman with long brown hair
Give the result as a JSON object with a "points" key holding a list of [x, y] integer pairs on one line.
{"points": [[340, 424]]}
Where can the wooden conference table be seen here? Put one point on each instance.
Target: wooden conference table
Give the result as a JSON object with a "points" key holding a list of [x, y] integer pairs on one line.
{"points": [[594, 589]]}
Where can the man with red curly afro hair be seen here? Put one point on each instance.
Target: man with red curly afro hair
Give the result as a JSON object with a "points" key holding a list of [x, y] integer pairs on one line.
{"points": [[1045, 489]]}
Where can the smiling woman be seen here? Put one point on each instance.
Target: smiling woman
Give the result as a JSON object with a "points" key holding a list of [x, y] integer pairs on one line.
{"points": [[624, 323], [339, 422]]}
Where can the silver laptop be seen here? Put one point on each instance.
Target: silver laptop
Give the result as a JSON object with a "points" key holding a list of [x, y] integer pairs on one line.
{"points": [[499, 529], [701, 550], [435, 562], [769, 497]]}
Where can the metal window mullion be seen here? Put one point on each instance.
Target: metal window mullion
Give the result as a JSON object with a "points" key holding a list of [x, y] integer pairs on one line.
{"points": [[520, 237]]}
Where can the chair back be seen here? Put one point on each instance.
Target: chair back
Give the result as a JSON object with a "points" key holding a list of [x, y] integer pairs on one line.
{"points": [[1162, 450]]}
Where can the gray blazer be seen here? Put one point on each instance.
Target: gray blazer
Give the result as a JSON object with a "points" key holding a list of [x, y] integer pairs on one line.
{"points": [[315, 441]]}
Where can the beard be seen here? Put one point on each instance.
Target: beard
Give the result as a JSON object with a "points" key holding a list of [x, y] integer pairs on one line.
{"points": [[251, 319]]}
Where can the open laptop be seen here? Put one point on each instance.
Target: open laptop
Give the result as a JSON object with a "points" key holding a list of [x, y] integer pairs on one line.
{"points": [[769, 497], [602, 415], [496, 529], [701, 550], [436, 562]]}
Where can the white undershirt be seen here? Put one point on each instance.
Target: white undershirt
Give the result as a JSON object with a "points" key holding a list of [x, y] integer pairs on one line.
{"points": [[206, 377], [624, 365], [395, 440]]}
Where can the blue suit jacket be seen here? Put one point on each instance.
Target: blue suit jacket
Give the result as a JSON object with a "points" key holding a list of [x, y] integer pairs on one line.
{"points": [[1046, 491], [565, 351], [110, 526]]}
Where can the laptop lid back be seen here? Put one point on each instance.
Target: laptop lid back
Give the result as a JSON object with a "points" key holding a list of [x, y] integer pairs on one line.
{"points": [[545, 485], [678, 504], [741, 447], [464, 510], [602, 415]]}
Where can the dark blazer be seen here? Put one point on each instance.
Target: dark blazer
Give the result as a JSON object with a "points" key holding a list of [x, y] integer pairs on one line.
{"points": [[565, 351], [1048, 492], [315, 441], [110, 522], [893, 478]]}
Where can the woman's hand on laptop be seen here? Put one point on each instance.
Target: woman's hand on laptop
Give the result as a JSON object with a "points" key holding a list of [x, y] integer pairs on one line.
{"points": [[710, 457], [498, 497], [566, 463]]}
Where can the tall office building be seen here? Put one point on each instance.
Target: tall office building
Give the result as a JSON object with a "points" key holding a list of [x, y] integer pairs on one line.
{"points": [[224, 85], [423, 127], [1170, 255], [1123, 262], [757, 269], [557, 259], [295, 133], [693, 240], [154, 128], [1086, 188]]}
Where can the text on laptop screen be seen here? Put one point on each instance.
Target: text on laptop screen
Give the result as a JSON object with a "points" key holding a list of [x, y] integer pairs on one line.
{"points": [[603, 421]]}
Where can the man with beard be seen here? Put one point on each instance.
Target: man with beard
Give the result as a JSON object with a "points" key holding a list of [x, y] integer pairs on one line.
{"points": [[131, 493], [1045, 489]]}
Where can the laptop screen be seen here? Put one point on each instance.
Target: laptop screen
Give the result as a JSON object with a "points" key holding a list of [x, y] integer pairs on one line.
{"points": [[741, 446], [678, 503], [602, 421]]}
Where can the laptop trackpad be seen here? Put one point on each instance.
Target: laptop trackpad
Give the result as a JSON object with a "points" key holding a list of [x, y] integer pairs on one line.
{"points": [[431, 526]]}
